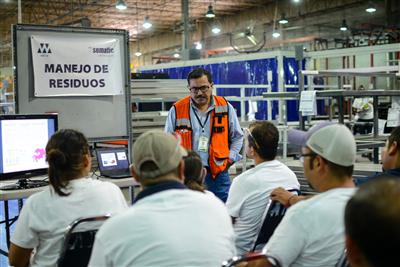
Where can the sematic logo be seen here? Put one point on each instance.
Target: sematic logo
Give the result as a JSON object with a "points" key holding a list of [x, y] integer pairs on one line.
{"points": [[103, 50]]}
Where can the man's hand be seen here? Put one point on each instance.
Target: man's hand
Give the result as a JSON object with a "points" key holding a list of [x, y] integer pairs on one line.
{"points": [[283, 196], [230, 163]]}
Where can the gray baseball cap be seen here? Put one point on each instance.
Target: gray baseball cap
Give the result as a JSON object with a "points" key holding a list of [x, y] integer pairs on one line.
{"points": [[334, 143], [161, 148]]}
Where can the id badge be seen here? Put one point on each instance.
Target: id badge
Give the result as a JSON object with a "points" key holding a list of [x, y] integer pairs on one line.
{"points": [[203, 144]]}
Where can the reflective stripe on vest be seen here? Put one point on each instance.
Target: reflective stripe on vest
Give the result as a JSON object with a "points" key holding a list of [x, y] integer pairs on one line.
{"points": [[183, 123], [221, 109]]}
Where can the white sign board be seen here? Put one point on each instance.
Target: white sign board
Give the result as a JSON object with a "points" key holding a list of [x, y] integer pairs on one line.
{"points": [[308, 103], [393, 119], [76, 67]]}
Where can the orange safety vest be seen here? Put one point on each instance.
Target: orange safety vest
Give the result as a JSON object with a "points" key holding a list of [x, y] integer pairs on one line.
{"points": [[218, 151]]}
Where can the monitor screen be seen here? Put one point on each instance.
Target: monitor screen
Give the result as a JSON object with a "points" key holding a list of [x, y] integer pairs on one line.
{"points": [[23, 140]]}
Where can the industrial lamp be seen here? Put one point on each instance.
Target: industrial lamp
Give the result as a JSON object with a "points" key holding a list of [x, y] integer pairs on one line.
{"points": [[147, 24], [276, 33], [215, 29], [283, 20], [371, 7], [210, 12], [120, 5], [344, 26]]}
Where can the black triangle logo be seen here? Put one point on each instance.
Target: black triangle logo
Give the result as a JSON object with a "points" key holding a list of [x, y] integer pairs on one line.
{"points": [[39, 51], [49, 51]]}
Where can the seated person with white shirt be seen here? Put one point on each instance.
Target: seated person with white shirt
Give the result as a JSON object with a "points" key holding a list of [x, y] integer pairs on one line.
{"points": [[71, 195], [249, 193], [312, 231], [194, 172], [168, 224]]}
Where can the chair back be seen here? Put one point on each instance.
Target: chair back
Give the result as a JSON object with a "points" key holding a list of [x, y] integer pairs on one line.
{"points": [[272, 218], [343, 262], [77, 245], [251, 259]]}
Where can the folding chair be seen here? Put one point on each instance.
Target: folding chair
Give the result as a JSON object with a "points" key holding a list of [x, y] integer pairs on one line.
{"points": [[343, 262], [272, 218], [251, 259], [78, 245]]}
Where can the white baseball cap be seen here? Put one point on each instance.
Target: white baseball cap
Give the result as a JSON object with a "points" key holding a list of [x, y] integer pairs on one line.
{"points": [[334, 143]]}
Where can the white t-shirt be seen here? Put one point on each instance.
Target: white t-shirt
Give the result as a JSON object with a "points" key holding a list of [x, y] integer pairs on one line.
{"points": [[175, 227], [248, 198], [46, 215], [312, 231]]}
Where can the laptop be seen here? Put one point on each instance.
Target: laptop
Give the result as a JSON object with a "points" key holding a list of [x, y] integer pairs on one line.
{"points": [[113, 162]]}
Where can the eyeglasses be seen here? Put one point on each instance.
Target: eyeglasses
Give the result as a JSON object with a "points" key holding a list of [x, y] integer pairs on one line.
{"points": [[253, 140], [302, 156], [203, 89]]}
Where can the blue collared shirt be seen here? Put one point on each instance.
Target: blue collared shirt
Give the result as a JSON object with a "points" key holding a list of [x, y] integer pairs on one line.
{"points": [[235, 131]]}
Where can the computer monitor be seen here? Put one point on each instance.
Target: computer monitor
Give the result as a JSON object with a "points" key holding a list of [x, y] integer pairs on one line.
{"points": [[23, 140]]}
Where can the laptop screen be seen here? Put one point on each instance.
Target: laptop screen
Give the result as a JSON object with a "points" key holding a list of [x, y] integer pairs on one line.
{"points": [[112, 159]]}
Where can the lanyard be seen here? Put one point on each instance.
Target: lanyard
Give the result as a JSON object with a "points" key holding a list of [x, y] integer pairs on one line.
{"points": [[198, 119]]}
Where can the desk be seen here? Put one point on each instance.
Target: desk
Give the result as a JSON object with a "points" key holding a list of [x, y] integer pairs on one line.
{"points": [[6, 195], [24, 193]]}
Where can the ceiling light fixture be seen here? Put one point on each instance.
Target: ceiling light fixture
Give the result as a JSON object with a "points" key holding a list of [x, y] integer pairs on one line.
{"points": [[137, 53], [371, 7], [215, 29], [210, 12], [283, 20], [120, 5], [147, 24], [276, 33], [344, 26], [296, 1]]}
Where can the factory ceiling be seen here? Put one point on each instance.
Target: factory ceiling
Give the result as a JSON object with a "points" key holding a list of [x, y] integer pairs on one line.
{"points": [[309, 19], [164, 14]]}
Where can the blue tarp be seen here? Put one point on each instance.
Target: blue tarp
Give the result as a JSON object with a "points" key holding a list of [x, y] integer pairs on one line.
{"points": [[290, 69], [246, 72]]}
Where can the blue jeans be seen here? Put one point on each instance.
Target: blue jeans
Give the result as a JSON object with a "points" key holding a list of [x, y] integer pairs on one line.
{"points": [[220, 185]]}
